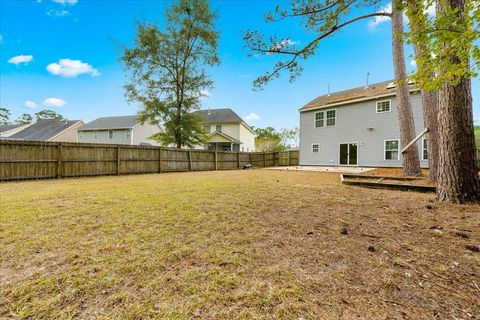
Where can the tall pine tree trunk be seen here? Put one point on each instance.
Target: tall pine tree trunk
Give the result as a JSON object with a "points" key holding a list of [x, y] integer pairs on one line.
{"points": [[430, 119], [411, 161], [458, 181]]}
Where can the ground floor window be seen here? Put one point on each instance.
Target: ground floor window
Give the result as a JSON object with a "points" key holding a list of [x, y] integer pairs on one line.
{"points": [[424, 149], [391, 149], [315, 148]]}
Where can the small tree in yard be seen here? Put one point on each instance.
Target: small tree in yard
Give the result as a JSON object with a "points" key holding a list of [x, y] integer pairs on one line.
{"points": [[4, 116], [167, 70], [324, 18], [450, 43]]}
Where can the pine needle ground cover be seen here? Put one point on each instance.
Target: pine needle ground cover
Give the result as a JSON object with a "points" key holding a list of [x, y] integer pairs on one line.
{"points": [[233, 245]]}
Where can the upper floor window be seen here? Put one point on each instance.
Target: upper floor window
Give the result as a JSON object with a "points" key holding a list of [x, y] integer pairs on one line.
{"points": [[391, 149], [206, 129], [424, 149], [330, 116], [218, 128], [128, 134], [110, 134], [383, 106], [95, 135], [319, 119], [315, 148], [80, 135]]}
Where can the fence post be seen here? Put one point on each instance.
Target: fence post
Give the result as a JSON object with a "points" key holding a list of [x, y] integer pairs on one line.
{"points": [[289, 158], [275, 159], [265, 159], [216, 160], [160, 160], [251, 162], [118, 160], [59, 160], [238, 159], [190, 160]]}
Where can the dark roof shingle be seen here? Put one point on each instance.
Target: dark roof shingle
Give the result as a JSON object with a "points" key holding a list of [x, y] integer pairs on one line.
{"points": [[120, 122], [219, 115], [8, 127], [44, 130], [372, 91]]}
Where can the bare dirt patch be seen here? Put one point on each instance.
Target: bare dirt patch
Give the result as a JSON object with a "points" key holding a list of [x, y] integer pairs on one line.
{"points": [[236, 244]]}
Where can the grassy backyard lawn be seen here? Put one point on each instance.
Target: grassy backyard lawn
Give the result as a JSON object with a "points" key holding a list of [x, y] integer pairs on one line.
{"points": [[234, 245]]}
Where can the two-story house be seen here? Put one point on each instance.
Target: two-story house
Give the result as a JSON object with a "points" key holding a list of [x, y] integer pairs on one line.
{"points": [[118, 130], [226, 131], [357, 127]]}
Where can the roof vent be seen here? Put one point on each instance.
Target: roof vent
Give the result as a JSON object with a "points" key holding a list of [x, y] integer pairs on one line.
{"points": [[366, 83], [391, 85]]}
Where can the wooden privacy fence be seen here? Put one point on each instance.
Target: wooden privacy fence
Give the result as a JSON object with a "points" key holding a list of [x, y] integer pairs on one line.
{"points": [[21, 160]]}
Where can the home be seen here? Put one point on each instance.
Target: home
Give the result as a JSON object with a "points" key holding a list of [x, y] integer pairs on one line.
{"points": [[226, 131], [8, 130], [49, 130], [357, 127], [118, 130]]}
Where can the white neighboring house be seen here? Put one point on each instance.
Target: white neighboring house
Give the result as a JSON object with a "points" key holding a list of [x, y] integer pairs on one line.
{"points": [[226, 131], [8, 130], [118, 130]]}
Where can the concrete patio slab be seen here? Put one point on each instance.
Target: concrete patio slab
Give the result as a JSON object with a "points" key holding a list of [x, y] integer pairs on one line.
{"points": [[323, 169]]}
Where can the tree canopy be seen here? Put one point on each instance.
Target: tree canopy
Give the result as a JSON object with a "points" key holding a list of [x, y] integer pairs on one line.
{"points": [[47, 114], [4, 116], [167, 70]]}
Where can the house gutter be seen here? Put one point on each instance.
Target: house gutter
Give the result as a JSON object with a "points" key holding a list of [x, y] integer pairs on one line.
{"points": [[353, 101]]}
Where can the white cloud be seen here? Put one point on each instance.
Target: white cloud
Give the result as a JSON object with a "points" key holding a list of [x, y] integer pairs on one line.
{"points": [[413, 63], [204, 94], [252, 117], [54, 102], [30, 104], [64, 2], [71, 68], [381, 19], [20, 59], [58, 13]]}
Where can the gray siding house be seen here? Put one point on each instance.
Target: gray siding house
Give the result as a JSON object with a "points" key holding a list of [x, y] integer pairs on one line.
{"points": [[357, 127], [118, 130]]}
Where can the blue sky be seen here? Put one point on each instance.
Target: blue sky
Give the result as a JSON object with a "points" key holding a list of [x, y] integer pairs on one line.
{"points": [[63, 55]]}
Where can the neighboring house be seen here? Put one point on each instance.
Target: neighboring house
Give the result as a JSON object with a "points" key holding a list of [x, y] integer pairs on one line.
{"points": [[226, 131], [50, 130], [8, 130], [118, 130], [357, 127]]}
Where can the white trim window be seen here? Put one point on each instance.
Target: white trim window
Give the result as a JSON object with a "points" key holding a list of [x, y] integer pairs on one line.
{"points": [[207, 129], [424, 149], [95, 135], [319, 117], [384, 106], [128, 134], [315, 148], [331, 118], [110, 134], [80, 135], [391, 149], [326, 118], [218, 128]]}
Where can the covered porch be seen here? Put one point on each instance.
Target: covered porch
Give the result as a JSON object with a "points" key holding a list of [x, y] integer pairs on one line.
{"points": [[222, 142]]}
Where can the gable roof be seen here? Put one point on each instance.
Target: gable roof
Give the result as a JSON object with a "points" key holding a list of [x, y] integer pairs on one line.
{"points": [[44, 130], [8, 127], [219, 115], [226, 136], [381, 89], [120, 122]]}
